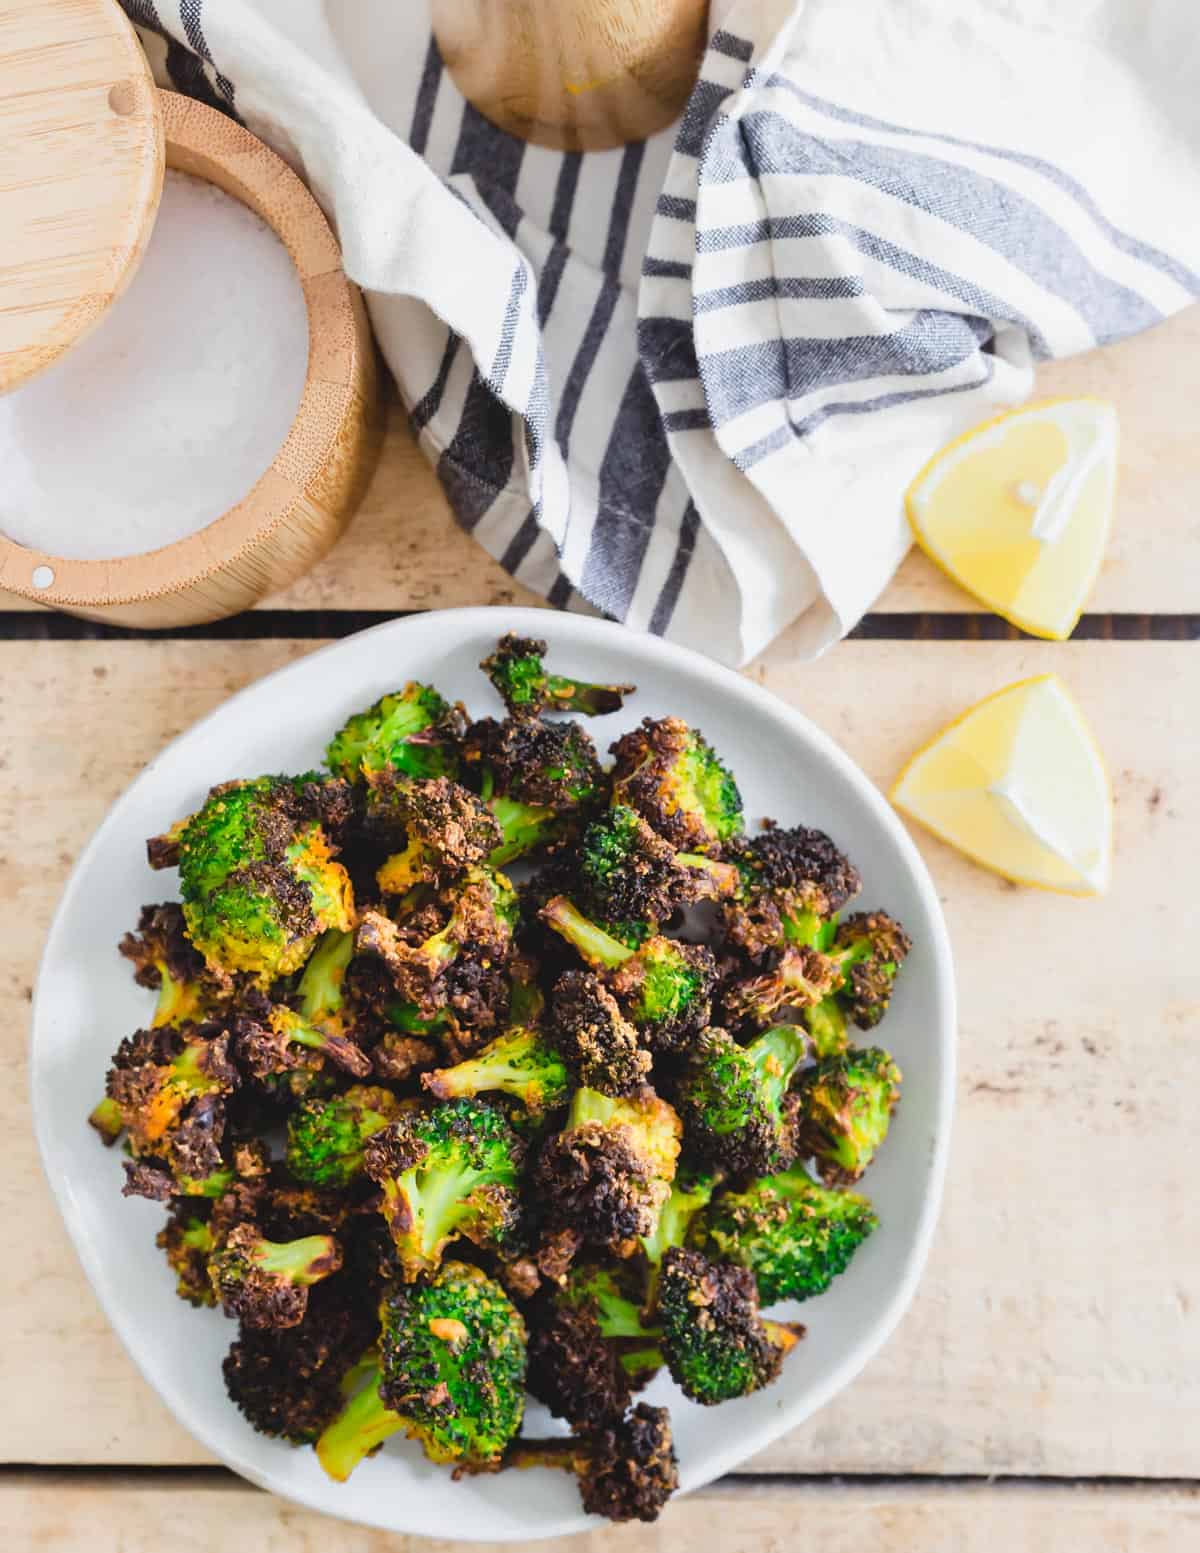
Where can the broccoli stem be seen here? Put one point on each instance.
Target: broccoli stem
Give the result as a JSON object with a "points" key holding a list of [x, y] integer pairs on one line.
{"points": [[178, 1001], [597, 947], [105, 1117], [725, 877], [804, 928], [574, 695], [778, 1053], [826, 1024], [406, 1017], [321, 984], [214, 1185], [304, 1261], [359, 1429], [638, 1360], [523, 827]]}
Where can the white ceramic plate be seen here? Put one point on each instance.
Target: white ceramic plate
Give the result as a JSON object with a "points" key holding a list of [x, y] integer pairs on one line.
{"points": [[86, 1001]]}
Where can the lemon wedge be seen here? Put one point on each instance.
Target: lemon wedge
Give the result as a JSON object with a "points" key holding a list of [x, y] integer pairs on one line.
{"points": [[1018, 784], [1018, 510]]}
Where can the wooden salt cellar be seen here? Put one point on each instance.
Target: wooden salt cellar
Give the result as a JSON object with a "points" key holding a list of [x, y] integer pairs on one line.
{"points": [[83, 138], [581, 75]]}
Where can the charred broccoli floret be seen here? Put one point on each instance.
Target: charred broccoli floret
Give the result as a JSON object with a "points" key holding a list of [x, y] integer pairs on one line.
{"points": [[691, 1191], [845, 1107], [441, 829], [169, 1086], [663, 986], [868, 950], [627, 1469], [597, 1042], [265, 1283], [535, 778], [188, 1242], [673, 777], [518, 672], [518, 1063], [293, 1038], [792, 882], [258, 876], [449, 1171], [605, 1177], [793, 1235], [450, 1373], [732, 1098], [800, 979], [627, 871], [326, 1138], [716, 1344], [164, 959], [413, 731]]}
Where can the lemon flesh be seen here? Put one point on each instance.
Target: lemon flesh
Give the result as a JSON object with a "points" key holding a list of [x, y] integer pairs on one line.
{"points": [[1018, 511], [1019, 785]]}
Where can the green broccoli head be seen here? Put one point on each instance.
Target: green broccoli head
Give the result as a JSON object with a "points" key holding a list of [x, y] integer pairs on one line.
{"points": [[794, 1235], [792, 882], [446, 1172], [265, 1283], [326, 1138], [518, 1063], [605, 1177], [716, 1344], [627, 871], [732, 1098], [869, 949], [845, 1107], [626, 1467], [413, 731], [518, 671], [598, 1043], [673, 777], [536, 779], [258, 876]]}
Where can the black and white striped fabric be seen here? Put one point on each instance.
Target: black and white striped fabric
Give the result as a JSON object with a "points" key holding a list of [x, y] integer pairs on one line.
{"points": [[685, 383]]}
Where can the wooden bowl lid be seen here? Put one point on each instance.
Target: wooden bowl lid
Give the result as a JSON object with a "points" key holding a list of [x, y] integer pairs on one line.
{"points": [[81, 168]]}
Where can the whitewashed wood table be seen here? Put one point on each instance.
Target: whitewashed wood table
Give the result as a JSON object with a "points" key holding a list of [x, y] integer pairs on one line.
{"points": [[1043, 1392]]}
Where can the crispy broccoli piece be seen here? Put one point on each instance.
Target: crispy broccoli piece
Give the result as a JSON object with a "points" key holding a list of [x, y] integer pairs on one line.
{"points": [[826, 1025], [326, 1138], [801, 978], [845, 1107], [597, 1042], [792, 882], [535, 778], [188, 1242], [258, 876], [169, 1086], [868, 950], [793, 1235], [732, 1098], [449, 1171], [518, 1063], [518, 672], [164, 959], [413, 731], [105, 1117], [673, 777], [450, 1373], [691, 1191], [716, 1344], [664, 986], [627, 1469], [444, 828], [627, 871], [264, 1283], [606, 1176], [287, 1382]]}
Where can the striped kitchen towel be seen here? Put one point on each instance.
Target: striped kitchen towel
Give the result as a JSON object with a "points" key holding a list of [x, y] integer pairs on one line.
{"points": [[685, 383]]}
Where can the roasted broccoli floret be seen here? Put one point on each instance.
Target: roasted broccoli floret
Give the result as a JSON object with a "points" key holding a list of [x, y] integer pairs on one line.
{"points": [[293, 1038], [265, 1283], [535, 778], [258, 876], [845, 1107], [716, 1344], [518, 1063], [518, 672], [868, 950], [445, 1172], [597, 1042], [627, 1469], [626, 871], [733, 1098], [326, 1138], [663, 986], [793, 1235], [439, 827], [792, 882], [605, 1177], [801, 978], [450, 1373], [691, 1191], [673, 777], [413, 731], [169, 1086], [164, 959], [188, 1242]]}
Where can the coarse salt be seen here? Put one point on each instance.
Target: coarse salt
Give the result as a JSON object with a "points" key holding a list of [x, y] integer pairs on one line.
{"points": [[167, 414]]}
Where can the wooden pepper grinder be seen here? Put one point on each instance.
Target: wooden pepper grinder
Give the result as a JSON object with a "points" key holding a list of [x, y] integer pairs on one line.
{"points": [[580, 75]]}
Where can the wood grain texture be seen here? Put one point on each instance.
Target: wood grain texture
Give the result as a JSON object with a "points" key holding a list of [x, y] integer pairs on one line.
{"points": [[81, 167], [302, 503], [1054, 1329], [581, 75]]}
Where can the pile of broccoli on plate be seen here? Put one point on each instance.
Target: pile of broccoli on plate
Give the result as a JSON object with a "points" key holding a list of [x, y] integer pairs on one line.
{"points": [[436, 1139]]}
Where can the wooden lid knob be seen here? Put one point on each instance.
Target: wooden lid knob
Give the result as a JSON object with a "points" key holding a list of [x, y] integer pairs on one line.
{"points": [[81, 168]]}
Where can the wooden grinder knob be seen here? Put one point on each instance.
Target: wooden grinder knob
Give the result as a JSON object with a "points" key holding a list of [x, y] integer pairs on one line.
{"points": [[580, 75]]}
